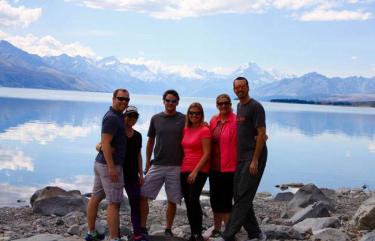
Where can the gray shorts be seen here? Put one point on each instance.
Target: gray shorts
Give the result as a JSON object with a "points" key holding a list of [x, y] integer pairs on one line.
{"points": [[104, 187], [157, 176]]}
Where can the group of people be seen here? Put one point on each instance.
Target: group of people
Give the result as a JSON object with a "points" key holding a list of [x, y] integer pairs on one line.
{"points": [[230, 151]]}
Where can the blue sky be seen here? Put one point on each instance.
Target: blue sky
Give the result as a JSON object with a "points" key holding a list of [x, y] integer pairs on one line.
{"points": [[332, 37]]}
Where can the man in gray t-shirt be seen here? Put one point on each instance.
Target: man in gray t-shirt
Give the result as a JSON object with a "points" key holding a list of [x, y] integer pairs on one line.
{"points": [[166, 128], [252, 157]]}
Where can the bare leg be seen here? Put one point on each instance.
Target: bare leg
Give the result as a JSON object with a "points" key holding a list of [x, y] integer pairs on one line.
{"points": [[144, 211], [92, 210], [226, 218], [218, 218], [171, 212], [113, 219]]}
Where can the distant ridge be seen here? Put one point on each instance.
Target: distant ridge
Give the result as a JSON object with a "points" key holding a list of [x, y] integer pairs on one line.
{"points": [[21, 69]]}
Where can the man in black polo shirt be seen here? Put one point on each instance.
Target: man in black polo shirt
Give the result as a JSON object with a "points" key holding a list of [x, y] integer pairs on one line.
{"points": [[109, 180]]}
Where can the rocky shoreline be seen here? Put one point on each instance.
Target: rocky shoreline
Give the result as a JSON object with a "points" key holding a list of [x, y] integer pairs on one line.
{"points": [[310, 214]]}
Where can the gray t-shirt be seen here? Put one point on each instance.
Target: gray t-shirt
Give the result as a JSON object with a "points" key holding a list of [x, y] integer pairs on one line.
{"points": [[250, 116], [167, 131]]}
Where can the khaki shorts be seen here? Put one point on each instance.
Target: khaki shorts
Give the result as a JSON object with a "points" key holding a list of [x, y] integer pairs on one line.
{"points": [[159, 175], [104, 187]]}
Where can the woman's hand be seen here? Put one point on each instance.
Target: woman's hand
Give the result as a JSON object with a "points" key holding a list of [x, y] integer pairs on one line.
{"points": [[191, 177]]}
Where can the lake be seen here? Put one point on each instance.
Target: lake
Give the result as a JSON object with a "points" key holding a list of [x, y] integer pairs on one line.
{"points": [[48, 137]]}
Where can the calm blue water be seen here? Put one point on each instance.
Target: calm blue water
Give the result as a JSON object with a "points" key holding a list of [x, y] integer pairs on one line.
{"points": [[49, 137]]}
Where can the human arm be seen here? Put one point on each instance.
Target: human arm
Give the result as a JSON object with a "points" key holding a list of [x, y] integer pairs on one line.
{"points": [[259, 144], [98, 146], [206, 145], [149, 148], [140, 168], [107, 152]]}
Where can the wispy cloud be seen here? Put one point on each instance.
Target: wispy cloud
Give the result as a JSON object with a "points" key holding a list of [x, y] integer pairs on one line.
{"points": [[335, 15], [44, 133], [17, 16], [314, 10], [15, 160], [47, 45], [371, 147]]}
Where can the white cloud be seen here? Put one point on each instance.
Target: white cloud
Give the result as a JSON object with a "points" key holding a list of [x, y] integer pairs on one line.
{"points": [[83, 183], [15, 160], [371, 147], [354, 58], [17, 16], [44, 133], [335, 15], [172, 9], [47, 45]]}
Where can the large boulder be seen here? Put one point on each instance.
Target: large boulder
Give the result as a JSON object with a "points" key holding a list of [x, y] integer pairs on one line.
{"points": [[307, 195], [315, 224], [315, 210], [57, 201], [284, 196], [329, 234], [364, 218]]}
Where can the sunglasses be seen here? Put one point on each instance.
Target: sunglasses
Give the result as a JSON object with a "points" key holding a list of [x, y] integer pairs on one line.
{"points": [[195, 113], [127, 99], [132, 116], [223, 103], [173, 101]]}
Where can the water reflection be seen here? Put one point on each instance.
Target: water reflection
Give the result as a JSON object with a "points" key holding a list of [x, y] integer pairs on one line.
{"points": [[15, 160], [50, 142]]}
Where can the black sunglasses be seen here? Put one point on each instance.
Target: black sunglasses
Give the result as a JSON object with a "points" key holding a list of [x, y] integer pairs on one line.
{"points": [[173, 101], [223, 103], [127, 99], [132, 115], [196, 113]]}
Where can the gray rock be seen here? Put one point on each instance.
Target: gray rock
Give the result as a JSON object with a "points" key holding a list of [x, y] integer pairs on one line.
{"points": [[273, 231], [314, 224], [329, 234], [48, 237], [343, 191], [330, 193], [74, 229], [364, 218], [284, 196], [368, 237], [74, 218], [319, 209], [306, 196], [56, 201]]}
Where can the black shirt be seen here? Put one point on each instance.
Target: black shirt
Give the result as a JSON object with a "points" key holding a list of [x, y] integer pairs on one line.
{"points": [[134, 145]]}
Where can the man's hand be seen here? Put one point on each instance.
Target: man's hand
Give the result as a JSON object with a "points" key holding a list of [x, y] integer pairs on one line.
{"points": [[253, 167], [113, 175], [141, 180]]}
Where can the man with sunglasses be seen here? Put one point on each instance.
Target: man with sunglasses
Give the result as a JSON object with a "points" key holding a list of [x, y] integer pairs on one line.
{"points": [[166, 129], [109, 180]]}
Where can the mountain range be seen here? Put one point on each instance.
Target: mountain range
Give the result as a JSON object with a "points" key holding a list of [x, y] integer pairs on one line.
{"points": [[24, 70]]}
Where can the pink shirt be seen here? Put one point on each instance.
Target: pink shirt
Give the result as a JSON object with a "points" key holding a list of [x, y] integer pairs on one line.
{"points": [[193, 148], [227, 159]]}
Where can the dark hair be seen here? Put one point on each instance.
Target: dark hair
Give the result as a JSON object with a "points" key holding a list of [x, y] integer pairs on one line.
{"points": [[118, 90], [223, 96], [171, 92], [241, 78], [192, 105]]}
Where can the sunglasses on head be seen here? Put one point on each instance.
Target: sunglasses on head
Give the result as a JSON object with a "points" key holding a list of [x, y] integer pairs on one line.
{"points": [[132, 115], [127, 99]]}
